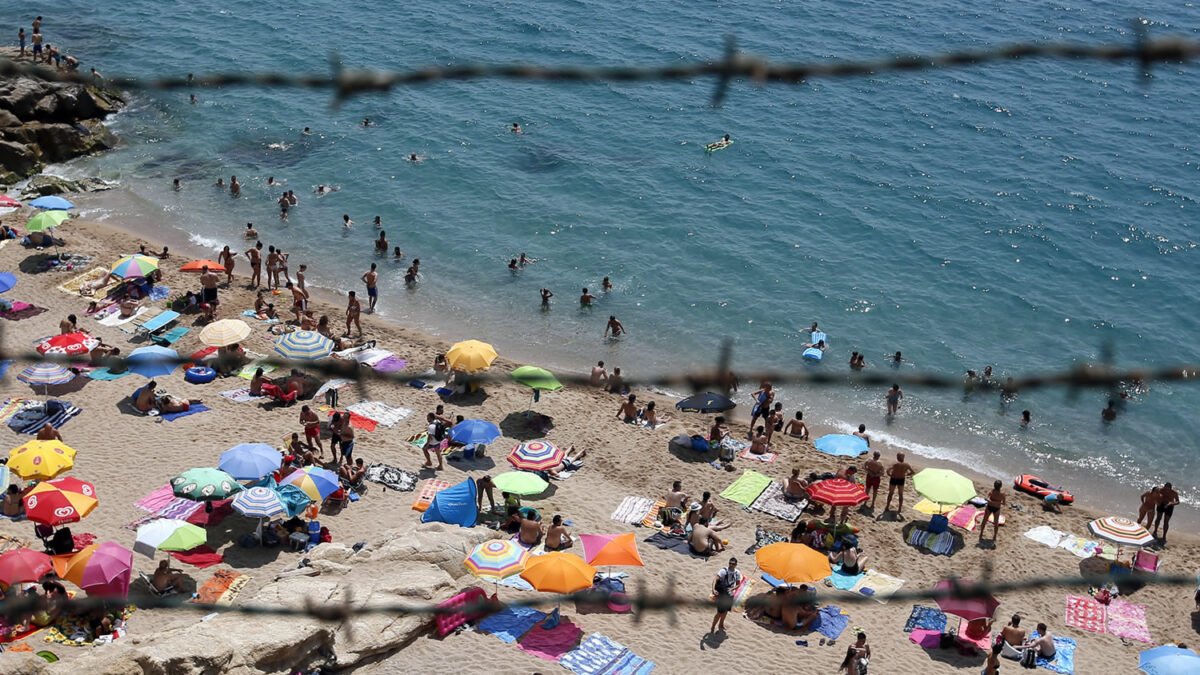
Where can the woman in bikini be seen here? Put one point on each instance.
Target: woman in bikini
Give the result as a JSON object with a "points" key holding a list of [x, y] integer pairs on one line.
{"points": [[995, 499]]}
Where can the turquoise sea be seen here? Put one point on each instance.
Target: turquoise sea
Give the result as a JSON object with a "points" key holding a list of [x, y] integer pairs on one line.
{"points": [[1029, 216]]}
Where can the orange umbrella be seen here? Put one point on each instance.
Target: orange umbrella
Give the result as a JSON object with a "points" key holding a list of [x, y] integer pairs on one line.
{"points": [[198, 266], [611, 549], [793, 563], [559, 573]]}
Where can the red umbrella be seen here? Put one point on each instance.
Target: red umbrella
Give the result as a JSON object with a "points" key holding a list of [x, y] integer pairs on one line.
{"points": [[837, 492], [70, 344], [24, 565], [977, 607], [199, 265], [8, 202], [72, 484]]}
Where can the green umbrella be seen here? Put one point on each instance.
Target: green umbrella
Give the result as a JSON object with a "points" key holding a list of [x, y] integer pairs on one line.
{"points": [[205, 485], [943, 486], [537, 378], [520, 483], [46, 220]]}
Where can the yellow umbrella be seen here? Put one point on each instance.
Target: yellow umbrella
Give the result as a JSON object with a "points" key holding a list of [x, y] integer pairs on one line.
{"points": [[793, 563], [471, 356], [224, 332], [41, 460]]}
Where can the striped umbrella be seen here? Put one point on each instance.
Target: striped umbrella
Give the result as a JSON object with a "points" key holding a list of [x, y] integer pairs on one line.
{"points": [[1121, 531], [152, 361], [316, 482], [258, 502], [48, 504], [497, 559], [305, 345], [536, 456], [41, 460], [46, 374], [837, 492], [69, 344], [134, 266], [470, 356], [167, 534], [224, 333]]}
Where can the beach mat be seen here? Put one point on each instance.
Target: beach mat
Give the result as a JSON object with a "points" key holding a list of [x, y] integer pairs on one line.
{"points": [[599, 655], [380, 413], [392, 477], [192, 410], [831, 621], [72, 286], [201, 556], [651, 519], [677, 544], [115, 319], [511, 623], [764, 538], [632, 510], [747, 488], [551, 644], [1064, 655], [28, 422], [428, 491], [11, 407], [105, 374], [929, 618], [883, 586], [1085, 613], [1046, 535], [22, 310], [1128, 620], [773, 503], [241, 395], [842, 581], [221, 589]]}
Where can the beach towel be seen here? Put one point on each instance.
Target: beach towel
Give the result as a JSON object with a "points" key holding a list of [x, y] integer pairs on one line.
{"points": [[831, 621], [357, 421], [925, 638], [105, 374], [22, 310], [1064, 655], [381, 413], [254, 315], [747, 488], [1082, 548], [1085, 613], [11, 407], [773, 503], [73, 285], [599, 655], [201, 556], [241, 395], [844, 582], [428, 491], [75, 632], [883, 586], [389, 476], [632, 510], [651, 519], [221, 589], [763, 538], [192, 410], [553, 643], [765, 458], [371, 356], [978, 518], [156, 499], [964, 517], [929, 508], [32, 418], [669, 543], [115, 319], [247, 371], [1128, 620], [511, 623], [929, 618], [1046, 535]]}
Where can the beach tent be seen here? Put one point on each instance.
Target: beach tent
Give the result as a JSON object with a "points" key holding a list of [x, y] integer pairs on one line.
{"points": [[454, 505]]}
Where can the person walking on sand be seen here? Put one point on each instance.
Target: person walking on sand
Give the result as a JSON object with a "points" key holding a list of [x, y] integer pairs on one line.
{"points": [[995, 501], [312, 429], [299, 300], [724, 585], [898, 472], [353, 309], [370, 278], [1150, 499], [254, 254], [893, 398], [227, 260]]}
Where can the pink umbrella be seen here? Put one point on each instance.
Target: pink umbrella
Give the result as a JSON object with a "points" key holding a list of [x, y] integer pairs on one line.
{"points": [[107, 570], [8, 202], [610, 549], [968, 608]]}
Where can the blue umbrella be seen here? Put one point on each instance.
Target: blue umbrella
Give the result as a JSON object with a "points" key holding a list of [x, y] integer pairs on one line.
{"points": [[52, 203], [249, 461], [471, 432], [1169, 660], [842, 445], [7, 281], [707, 402], [151, 362]]}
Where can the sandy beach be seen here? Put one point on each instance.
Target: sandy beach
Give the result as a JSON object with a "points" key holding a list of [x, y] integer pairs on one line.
{"points": [[129, 456]]}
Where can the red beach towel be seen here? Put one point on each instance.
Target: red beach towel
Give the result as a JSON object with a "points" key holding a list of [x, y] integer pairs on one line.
{"points": [[201, 556]]}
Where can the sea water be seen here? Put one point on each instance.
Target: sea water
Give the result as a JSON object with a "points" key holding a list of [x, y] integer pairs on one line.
{"points": [[1031, 216]]}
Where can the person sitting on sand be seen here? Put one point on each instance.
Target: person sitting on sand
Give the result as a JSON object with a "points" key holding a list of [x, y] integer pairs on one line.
{"points": [[104, 352], [12, 506], [441, 366], [353, 474], [129, 307], [165, 576], [717, 432], [851, 557], [796, 428], [49, 433], [759, 445], [1043, 645], [616, 382], [796, 488], [230, 359], [557, 537], [649, 416], [145, 401], [257, 382], [628, 411], [1013, 635], [531, 532], [703, 540]]}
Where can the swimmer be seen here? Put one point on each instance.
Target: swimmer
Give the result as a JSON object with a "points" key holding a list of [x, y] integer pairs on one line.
{"points": [[192, 99], [381, 244], [250, 232], [366, 122], [1026, 418], [307, 131], [397, 253], [378, 222], [586, 299], [516, 128], [220, 182], [235, 188], [512, 265], [271, 180], [896, 359], [615, 326], [546, 295], [346, 222], [413, 157], [606, 285], [176, 185], [523, 261]]}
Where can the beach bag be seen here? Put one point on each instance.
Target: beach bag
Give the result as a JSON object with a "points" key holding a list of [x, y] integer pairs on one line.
{"points": [[1029, 657], [1103, 596], [700, 444]]}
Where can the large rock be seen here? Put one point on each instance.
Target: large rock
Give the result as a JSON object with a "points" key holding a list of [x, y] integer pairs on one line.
{"points": [[40, 186], [58, 121], [17, 159]]}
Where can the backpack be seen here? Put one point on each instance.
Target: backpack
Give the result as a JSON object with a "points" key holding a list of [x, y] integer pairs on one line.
{"points": [[439, 431], [1029, 657]]}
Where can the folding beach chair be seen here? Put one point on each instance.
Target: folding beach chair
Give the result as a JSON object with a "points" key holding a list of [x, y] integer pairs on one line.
{"points": [[169, 590], [1146, 562]]}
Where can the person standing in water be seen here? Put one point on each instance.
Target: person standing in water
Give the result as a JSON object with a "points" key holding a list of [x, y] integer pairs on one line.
{"points": [[370, 278]]}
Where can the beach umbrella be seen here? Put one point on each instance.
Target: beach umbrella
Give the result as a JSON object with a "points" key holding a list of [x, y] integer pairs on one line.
{"points": [[793, 563], [198, 266], [497, 559], [7, 202], [46, 374], [134, 266], [249, 461], [536, 456], [837, 492], [977, 607], [708, 402], [153, 361], [943, 486], [23, 565], [72, 484], [41, 460], [306, 345], [258, 502], [611, 549], [49, 504], [46, 220], [102, 569], [842, 445], [559, 573], [205, 485], [225, 332], [51, 203], [536, 378], [471, 356], [294, 499], [1121, 531], [69, 344], [8, 281], [166, 534], [1169, 660], [473, 432], [520, 483], [316, 482]]}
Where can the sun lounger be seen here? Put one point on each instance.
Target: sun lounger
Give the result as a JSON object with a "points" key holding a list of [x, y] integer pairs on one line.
{"points": [[150, 584], [159, 322], [171, 337]]}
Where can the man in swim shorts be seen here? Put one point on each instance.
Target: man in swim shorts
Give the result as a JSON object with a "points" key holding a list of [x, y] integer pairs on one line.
{"points": [[898, 472], [208, 281], [874, 469], [995, 500], [312, 428], [370, 278], [1167, 499], [254, 254]]}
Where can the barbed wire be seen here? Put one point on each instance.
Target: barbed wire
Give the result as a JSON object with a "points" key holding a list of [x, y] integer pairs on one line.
{"points": [[347, 83]]}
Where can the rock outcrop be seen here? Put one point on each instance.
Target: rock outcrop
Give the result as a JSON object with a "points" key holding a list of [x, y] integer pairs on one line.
{"points": [[40, 186], [44, 122]]}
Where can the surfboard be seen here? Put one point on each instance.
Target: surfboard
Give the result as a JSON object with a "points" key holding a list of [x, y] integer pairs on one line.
{"points": [[813, 353]]}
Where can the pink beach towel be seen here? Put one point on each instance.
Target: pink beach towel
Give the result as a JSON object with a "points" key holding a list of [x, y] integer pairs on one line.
{"points": [[1085, 613], [766, 457], [925, 638], [551, 644], [963, 516], [1128, 620], [157, 499]]}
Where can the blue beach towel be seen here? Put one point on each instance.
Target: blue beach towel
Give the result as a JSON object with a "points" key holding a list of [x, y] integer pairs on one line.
{"points": [[844, 582], [160, 293], [105, 374], [929, 618], [55, 412], [599, 655], [1064, 655], [195, 408], [831, 622], [511, 623]]}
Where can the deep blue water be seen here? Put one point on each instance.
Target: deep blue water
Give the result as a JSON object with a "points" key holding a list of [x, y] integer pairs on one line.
{"points": [[1027, 216]]}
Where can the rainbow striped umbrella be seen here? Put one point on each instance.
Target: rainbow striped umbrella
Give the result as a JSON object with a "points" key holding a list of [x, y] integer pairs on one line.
{"points": [[46, 374], [134, 266], [41, 460], [837, 492], [306, 345], [497, 559], [1121, 531], [69, 344], [314, 481], [536, 456]]}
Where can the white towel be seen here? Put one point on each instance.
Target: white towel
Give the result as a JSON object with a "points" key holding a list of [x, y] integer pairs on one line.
{"points": [[115, 319], [381, 413], [1044, 534]]}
